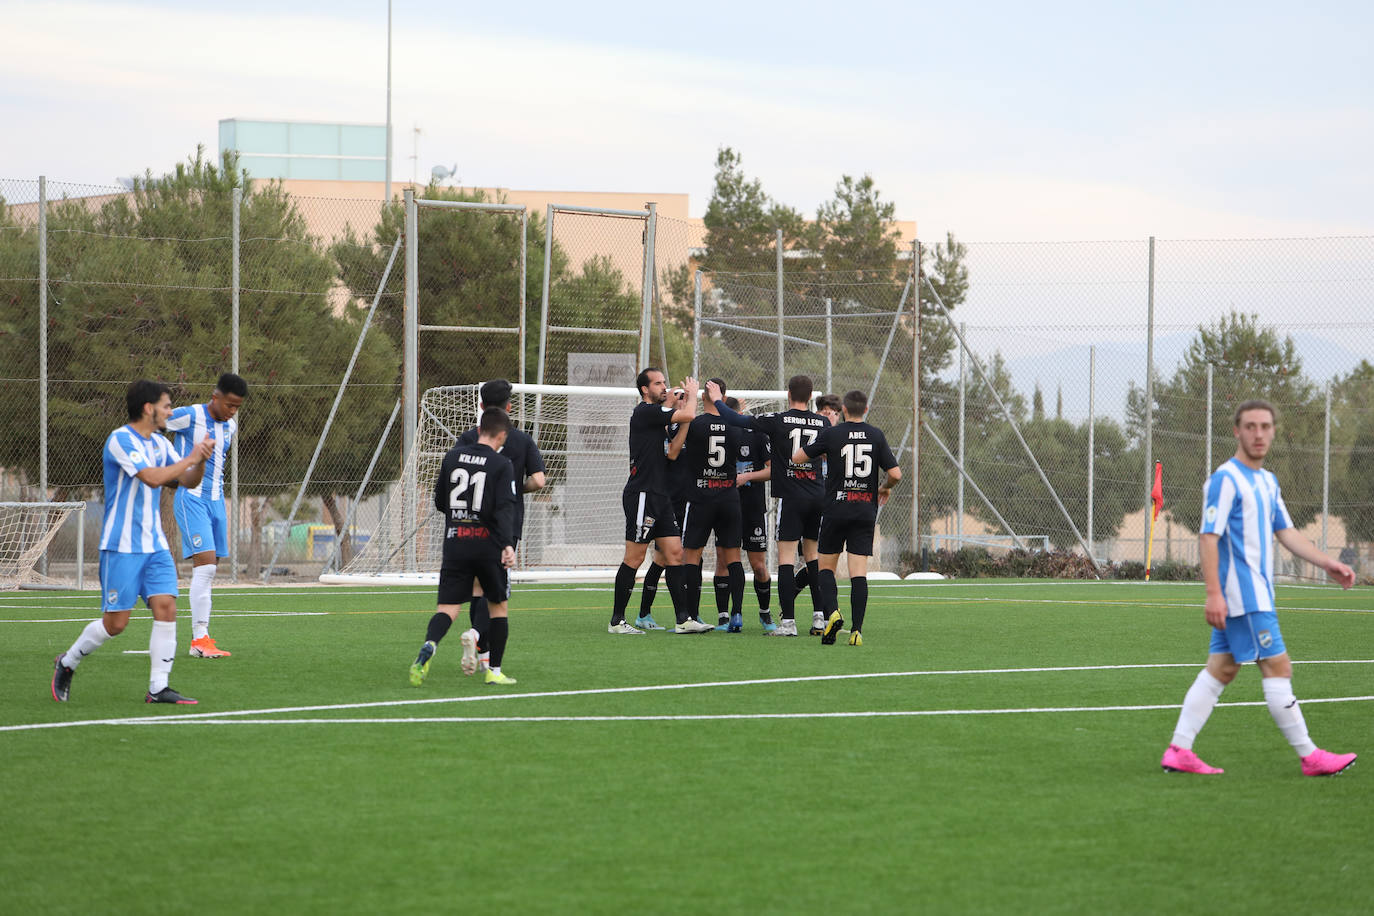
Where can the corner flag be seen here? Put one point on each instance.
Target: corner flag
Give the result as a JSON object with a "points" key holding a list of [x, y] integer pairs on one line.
{"points": [[1156, 497]]}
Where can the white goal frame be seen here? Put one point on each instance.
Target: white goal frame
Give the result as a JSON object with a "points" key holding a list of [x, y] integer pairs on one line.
{"points": [[21, 550], [585, 480]]}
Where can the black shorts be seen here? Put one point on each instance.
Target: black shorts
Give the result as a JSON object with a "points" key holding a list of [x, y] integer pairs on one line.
{"points": [[854, 534], [702, 517], [799, 518], [649, 516], [754, 524], [462, 568]]}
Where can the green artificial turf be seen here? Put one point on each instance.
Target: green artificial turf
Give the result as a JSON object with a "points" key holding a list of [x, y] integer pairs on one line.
{"points": [[753, 776]]}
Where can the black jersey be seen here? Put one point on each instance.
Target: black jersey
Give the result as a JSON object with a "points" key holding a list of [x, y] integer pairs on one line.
{"points": [[648, 456], [754, 455], [858, 458], [676, 471], [526, 461], [475, 490], [788, 431], [711, 450]]}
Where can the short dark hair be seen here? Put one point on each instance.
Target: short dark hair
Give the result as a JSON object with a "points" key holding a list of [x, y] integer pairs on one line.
{"points": [[494, 422], [1256, 404], [143, 392], [642, 380], [829, 401], [718, 381], [229, 383], [495, 393], [855, 403], [732, 403], [799, 388]]}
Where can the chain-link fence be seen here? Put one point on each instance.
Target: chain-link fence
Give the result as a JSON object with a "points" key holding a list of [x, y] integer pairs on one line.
{"points": [[185, 277]]}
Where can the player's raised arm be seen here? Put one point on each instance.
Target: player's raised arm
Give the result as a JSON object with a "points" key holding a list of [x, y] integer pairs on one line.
{"points": [[731, 417], [686, 410]]}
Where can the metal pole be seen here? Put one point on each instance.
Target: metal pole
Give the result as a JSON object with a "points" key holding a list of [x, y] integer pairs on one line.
{"points": [[963, 389], [410, 383], [524, 258], [781, 381], [388, 102], [1326, 467], [544, 302], [1092, 430], [81, 547], [235, 281], [1149, 390], [43, 342], [696, 324], [367, 477], [1207, 469], [829, 347], [916, 395], [646, 319]]}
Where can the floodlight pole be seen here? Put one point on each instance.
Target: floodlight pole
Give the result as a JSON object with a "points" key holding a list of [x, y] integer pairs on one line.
{"points": [[387, 200]]}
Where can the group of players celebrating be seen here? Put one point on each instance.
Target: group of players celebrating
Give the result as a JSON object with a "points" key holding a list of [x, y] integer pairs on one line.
{"points": [[697, 476]]}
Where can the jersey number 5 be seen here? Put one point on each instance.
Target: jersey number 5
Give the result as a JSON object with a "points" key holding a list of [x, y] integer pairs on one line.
{"points": [[462, 480]]}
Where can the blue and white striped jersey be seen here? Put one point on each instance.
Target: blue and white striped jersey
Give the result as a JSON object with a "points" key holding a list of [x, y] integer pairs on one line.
{"points": [[133, 522], [1245, 508], [188, 425]]}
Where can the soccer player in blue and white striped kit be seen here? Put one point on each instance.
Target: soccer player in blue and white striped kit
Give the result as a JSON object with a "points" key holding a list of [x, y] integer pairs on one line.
{"points": [[1242, 514], [199, 510], [134, 557]]}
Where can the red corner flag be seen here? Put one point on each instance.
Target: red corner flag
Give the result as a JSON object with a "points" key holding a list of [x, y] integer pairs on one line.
{"points": [[1157, 491]]}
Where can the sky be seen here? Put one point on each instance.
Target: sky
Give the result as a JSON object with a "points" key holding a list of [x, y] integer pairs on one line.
{"points": [[997, 121]]}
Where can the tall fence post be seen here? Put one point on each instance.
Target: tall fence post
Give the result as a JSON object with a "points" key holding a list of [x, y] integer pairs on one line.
{"points": [[1207, 468], [1092, 424], [1326, 467], [916, 397], [1149, 390], [43, 350], [236, 211], [544, 299], [829, 348], [963, 408], [410, 381], [781, 379], [696, 324], [646, 317]]}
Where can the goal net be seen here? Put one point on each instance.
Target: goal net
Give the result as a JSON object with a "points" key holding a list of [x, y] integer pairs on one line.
{"points": [[26, 530], [574, 527]]}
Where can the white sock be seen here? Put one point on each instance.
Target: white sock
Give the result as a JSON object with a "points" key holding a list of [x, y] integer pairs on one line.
{"points": [[1198, 704], [162, 649], [1283, 707], [201, 578], [91, 638]]}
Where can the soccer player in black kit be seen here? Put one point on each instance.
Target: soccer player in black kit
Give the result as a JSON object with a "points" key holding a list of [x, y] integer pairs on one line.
{"points": [[648, 508], [857, 455], [475, 489], [713, 507], [753, 470], [528, 465]]}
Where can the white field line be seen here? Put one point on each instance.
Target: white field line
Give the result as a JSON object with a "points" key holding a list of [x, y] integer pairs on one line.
{"points": [[218, 613], [649, 688]]}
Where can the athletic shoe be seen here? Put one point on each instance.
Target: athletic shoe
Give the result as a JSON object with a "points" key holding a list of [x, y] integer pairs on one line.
{"points": [[769, 627], [647, 622], [693, 625], [832, 628], [1325, 763], [1183, 760], [817, 623], [624, 629], [205, 647], [498, 680], [168, 695], [469, 641], [421, 666], [856, 638], [61, 679], [736, 624], [785, 627]]}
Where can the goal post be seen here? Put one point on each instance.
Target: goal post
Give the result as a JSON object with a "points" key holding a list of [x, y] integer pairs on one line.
{"points": [[573, 527], [26, 531]]}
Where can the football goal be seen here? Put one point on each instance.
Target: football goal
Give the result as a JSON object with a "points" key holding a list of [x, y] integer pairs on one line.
{"points": [[26, 530], [574, 527]]}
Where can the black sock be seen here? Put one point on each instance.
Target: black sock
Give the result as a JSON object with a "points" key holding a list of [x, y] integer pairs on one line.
{"points": [[691, 590], [858, 602], [500, 632], [813, 574], [735, 577], [803, 578], [438, 626], [764, 591], [829, 591], [721, 584], [624, 587], [650, 589], [677, 590], [787, 592], [479, 616]]}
